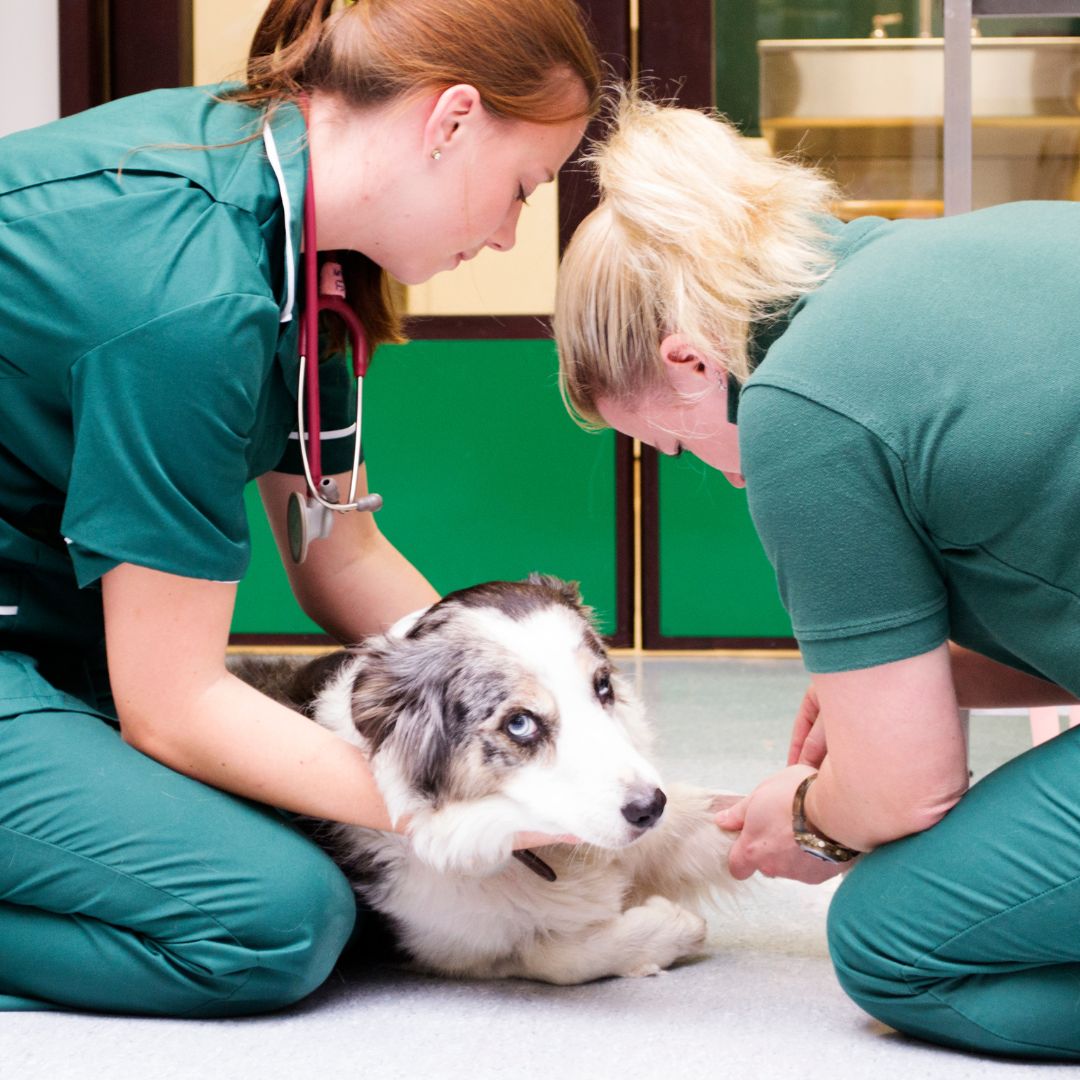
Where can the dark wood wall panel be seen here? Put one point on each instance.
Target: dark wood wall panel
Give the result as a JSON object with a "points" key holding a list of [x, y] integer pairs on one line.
{"points": [[676, 49], [150, 45], [84, 54], [610, 27], [112, 48]]}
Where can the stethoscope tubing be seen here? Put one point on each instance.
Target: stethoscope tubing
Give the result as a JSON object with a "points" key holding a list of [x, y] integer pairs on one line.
{"points": [[309, 424]]}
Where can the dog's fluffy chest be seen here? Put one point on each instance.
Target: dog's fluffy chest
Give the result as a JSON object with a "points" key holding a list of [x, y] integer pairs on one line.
{"points": [[438, 914]]}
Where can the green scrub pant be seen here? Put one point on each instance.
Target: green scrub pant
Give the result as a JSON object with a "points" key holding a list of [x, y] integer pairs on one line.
{"points": [[969, 934], [126, 887]]}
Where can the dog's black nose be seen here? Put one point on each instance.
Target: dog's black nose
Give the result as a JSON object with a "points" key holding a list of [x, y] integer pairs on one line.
{"points": [[645, 813]]}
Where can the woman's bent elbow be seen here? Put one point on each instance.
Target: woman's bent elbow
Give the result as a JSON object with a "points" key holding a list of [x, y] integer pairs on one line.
{"points": [[914, 819]]}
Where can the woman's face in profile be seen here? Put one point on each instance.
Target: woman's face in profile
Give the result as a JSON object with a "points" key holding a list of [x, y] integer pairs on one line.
{"points": [[672, 421], [445, 178]]}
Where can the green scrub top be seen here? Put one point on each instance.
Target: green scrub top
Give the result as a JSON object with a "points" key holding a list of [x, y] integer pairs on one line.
{"points": [[145, 372], [911, 444]]}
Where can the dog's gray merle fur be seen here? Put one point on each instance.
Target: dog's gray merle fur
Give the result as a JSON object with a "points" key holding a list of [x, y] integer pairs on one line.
{"points": [[440, 710]]}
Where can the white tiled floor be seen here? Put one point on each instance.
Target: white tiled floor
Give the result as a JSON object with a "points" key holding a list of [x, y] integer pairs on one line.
{"points": [[764, 1005]]}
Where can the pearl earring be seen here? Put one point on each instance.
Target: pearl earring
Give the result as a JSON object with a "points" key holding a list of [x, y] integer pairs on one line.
{"points": [[436, 154]]}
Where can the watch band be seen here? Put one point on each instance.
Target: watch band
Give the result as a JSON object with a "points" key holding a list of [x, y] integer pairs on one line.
{"points": [[809, 838]]}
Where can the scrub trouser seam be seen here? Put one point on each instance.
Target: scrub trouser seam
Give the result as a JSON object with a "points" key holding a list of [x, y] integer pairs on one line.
{"points": [[910, 971], [143, 884]]}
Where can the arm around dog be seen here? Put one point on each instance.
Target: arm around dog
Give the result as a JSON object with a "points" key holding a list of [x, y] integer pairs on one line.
{"points": [[166, 637]]}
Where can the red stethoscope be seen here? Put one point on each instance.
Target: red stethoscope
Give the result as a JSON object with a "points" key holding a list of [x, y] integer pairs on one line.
{"points": [[310, 516]]}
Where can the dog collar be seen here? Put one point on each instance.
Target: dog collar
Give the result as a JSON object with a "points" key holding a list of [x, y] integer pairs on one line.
{"points": [[535, 864]]}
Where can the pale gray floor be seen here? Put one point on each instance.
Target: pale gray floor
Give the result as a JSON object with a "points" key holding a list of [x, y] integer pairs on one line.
{"points": [[765, 1004]]}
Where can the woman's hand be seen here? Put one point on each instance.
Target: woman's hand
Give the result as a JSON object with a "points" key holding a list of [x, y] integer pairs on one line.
{"points": [[808, 735], [524, 840], [766, 842]]}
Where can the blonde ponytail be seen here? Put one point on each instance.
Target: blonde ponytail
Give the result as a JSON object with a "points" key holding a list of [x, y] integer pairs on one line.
{"points": [[696, 233]]}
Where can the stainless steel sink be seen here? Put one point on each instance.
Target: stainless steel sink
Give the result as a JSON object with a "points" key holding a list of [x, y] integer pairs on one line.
{"points": [[870, 111]]}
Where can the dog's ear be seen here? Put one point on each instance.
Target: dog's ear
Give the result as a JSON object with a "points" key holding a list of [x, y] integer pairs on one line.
{"points": [[401, 705], [567, 591]]}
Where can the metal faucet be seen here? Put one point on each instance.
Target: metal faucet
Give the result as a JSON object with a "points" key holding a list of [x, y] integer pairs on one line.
{"points": [[926, 18], [880, 22]]}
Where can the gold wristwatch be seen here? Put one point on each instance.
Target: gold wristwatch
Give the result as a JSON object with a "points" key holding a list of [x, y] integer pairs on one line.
{"points": [[808, 838]]}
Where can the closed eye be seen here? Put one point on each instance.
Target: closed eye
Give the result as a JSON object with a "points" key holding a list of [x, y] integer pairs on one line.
{"points": [[521, 195]]}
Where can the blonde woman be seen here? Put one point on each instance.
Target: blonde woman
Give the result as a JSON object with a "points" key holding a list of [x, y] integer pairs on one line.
{"points": [[906, 431], [148, 370]]}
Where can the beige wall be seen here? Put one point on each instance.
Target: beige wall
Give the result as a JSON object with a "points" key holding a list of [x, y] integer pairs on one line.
{"points": [[519, 282], [223, 30]]}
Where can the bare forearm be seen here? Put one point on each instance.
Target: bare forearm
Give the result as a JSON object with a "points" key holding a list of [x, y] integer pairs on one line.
{"points": [[233, 738], [367, 594], [354, 582], [982, 683], [897, 752], [864, 815]]}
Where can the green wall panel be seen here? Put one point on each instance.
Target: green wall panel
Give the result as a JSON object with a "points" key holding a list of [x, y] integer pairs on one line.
{"points": [[715, 580], [482, 473]]}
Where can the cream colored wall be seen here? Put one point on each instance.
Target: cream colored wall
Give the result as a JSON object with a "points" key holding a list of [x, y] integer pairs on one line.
{"points": [[519, 282], [222, 34]]}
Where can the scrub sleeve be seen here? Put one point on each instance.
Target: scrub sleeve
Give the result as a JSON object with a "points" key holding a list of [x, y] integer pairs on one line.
{"points": [[910, 472], [131, 418]]}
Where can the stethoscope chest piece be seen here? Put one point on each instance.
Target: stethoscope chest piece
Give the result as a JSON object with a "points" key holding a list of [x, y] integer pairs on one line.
{"points": [[310, 518], [307, 520]]}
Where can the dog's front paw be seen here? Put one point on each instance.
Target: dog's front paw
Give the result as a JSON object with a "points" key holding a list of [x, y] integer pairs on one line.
{"points": [[660, 933], [644, 971]]}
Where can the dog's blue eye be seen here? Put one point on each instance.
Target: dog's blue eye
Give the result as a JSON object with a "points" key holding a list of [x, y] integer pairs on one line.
{"points": [[605, 693], [521, 726]]}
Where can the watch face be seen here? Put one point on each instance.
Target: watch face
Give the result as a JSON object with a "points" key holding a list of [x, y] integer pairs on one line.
{"points": [[826, 852]]}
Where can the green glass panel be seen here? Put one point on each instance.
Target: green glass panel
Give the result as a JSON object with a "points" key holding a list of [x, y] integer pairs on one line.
{"points": [[482, 473], [715, 580]]}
